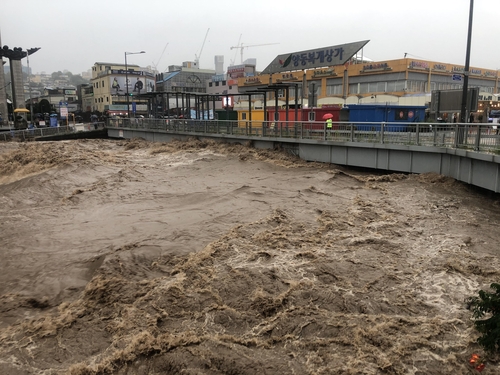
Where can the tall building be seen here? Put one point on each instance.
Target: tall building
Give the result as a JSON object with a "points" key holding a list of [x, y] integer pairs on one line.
{"points": [[219, 64]]}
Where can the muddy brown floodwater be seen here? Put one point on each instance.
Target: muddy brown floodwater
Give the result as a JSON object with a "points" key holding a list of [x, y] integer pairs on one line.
{"points": [[129, 257]]}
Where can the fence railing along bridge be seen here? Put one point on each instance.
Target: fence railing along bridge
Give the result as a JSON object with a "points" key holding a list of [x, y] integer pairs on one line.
{"points": [[467, 152], [471, 136]]}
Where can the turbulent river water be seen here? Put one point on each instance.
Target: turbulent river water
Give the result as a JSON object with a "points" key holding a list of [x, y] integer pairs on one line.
{"points": [[129, 257]]}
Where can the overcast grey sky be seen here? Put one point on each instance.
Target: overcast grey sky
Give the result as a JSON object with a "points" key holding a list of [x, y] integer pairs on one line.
{"points": [[73, 35]]}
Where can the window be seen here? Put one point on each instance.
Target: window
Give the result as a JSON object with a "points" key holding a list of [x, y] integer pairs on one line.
{"points": [[230, 87], [394, 86], [364, 88], [210, 84], [243, 115], [381, 86], [416, 86], [333, 90], [217, 83]]}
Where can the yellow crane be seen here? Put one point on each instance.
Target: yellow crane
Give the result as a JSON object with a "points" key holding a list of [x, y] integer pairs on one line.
{"points": [[242, 46]]}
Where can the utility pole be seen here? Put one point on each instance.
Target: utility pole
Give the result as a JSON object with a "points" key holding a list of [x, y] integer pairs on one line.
{"points": [[29, 86], [463, 109]]}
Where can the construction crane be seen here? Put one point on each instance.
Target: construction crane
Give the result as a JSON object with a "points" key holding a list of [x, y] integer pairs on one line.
{"points": [[241, 47], [197, 57], [234, 58], [156, 65]]}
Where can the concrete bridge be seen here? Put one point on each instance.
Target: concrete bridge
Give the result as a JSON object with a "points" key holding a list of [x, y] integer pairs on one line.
{"points": [[466, 152]]}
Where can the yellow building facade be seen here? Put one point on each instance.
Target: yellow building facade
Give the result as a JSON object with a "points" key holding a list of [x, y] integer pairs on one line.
{"points": [[405, 81]]}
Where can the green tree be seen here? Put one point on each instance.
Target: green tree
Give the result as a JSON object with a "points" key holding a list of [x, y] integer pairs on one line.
{"points": [[486, 311]]}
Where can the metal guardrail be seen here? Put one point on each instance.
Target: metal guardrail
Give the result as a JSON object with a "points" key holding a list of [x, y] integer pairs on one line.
{"points": [[472, 136], [28, 134]]}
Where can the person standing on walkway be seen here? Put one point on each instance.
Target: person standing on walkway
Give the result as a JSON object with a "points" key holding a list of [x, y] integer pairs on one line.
{"points": [[329, 125]]}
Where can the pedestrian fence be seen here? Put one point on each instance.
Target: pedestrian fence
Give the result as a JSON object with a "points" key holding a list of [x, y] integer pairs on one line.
{"points": [[473, 136], [30, 134]]}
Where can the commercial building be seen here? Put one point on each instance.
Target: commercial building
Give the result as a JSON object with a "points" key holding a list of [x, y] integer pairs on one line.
{"points": [[227, 84], [111, 84], [354, 80]]}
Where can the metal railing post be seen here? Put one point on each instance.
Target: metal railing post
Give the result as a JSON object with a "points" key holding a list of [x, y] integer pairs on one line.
{"points": [[478, 138]]}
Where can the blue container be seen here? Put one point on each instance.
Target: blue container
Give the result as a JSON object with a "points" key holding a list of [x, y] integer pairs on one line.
{"points": [[369, 116]]}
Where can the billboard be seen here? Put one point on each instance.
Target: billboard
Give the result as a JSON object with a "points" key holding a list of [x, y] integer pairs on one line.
{"points": [[451, 100], [136, 85], [314, 58]]}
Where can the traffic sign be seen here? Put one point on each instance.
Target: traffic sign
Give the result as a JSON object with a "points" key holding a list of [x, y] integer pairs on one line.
{"points": [[456, 77]]}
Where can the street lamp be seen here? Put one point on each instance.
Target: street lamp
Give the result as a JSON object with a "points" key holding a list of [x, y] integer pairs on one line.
{"points": [[463, 108], [28, 53], [126, 77]]}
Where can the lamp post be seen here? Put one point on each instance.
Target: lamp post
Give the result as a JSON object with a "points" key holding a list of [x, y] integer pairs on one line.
{"points": [[28, 53], [464, 109], [126, 77]]}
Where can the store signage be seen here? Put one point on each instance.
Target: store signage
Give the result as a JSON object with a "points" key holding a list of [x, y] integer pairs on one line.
{"points": [[326, 72], [375, 67], [63, 111], [441, 67], [131, 72], [236, 71], [419, 65], [252, 80], [219, 78], [316, 58]]}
